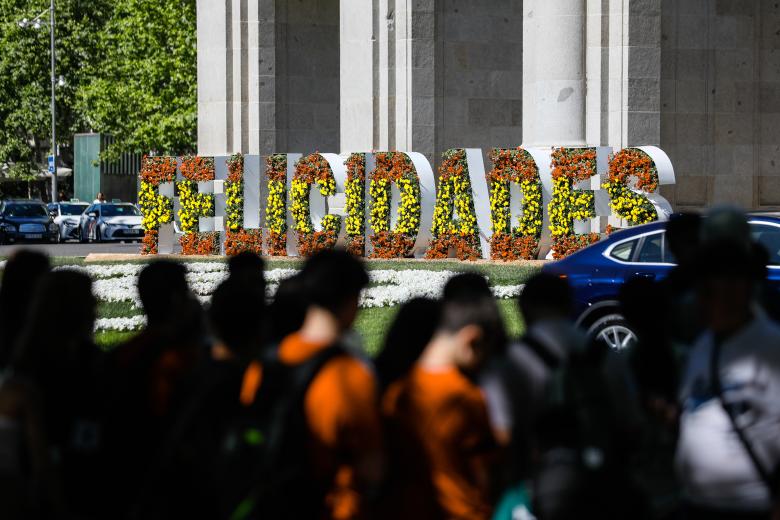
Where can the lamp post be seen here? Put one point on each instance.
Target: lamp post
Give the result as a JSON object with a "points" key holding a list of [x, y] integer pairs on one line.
{"points": [[36, 24]]}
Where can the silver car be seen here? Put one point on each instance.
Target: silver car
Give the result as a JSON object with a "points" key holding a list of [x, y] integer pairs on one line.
{"points": [[67, 216], [111, 222]]}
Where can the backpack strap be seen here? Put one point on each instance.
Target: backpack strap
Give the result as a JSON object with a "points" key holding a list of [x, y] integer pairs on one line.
{"points": [[541, 351]]}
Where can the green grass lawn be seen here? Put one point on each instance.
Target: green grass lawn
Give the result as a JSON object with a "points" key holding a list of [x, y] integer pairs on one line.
{"points": [[372, 323]]}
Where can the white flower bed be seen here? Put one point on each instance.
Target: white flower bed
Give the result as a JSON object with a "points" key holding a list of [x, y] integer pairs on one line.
{"points": [[117, 283]]}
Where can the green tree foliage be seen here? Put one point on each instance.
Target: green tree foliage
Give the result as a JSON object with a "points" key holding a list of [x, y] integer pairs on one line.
{"points": [[25, 86], [129, 68], [143, 87]]}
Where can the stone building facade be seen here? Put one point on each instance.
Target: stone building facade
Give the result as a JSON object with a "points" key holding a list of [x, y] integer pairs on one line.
{"points": [[699, 78]]}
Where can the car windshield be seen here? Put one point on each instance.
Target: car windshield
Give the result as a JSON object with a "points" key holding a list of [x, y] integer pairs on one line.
{"points": [[123, 210], [25, 210], [72, 209]]}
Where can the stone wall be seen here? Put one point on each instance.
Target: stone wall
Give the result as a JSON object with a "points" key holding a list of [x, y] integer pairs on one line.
{"points": [[268, 76], [307, 75], [480, 74], [720, 102]]}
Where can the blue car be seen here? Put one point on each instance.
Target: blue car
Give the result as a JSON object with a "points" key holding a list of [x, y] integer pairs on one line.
{"points": [[26, 220], [597, 272]]}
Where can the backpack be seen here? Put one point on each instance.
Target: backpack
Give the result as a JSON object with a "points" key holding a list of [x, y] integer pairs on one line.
{"points": [[583, 465], [264, 469]]}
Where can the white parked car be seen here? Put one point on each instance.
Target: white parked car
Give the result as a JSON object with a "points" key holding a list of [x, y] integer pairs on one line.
{"points": [[111, 222], [67, 216]]}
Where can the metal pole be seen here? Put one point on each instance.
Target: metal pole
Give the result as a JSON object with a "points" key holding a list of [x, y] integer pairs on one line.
{"points": [[54, 194]]}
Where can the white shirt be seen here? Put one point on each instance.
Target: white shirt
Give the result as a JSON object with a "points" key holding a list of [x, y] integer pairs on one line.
{"points": [[712, 463]]}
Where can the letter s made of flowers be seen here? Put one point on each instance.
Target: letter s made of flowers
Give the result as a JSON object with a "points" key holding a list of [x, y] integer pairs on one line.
{"points": [[629, 201]]}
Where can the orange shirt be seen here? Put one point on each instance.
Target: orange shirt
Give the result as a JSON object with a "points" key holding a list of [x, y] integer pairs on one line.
{"points": [[445, 414], [342, 414]]}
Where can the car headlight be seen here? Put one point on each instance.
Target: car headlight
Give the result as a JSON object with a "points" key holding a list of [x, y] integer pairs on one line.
{"points": [[8, 227]]}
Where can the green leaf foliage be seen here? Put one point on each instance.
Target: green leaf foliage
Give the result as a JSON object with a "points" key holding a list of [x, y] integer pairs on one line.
{"points": [[129, 68], [143, 87], [25, 84]]}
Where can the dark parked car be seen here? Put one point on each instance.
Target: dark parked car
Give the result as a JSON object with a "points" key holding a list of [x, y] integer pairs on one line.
{"points": [[111, 222], [597, 272], [26, 220]]}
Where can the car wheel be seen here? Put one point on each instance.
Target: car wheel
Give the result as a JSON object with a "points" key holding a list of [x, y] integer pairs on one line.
{"points": [[82, 239], [614, 331]]}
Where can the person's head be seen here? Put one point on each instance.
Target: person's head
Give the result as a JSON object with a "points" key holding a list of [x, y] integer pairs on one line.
{"points": [[237, 317], [682, 235], [471, 321], [546, 297], [163, 289], [412, 329], [100, 196], [333, 280], [52, 335], [246, 265], [288, 309], [726, 224], [21, 274], [726, 275]]}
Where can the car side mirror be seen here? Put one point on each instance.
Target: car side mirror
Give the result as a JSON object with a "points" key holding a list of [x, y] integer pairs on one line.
{"points": [[53, 213]]}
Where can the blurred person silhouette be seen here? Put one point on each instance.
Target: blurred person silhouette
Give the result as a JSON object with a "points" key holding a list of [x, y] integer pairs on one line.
{"points": [[323, 455], [247, 266], [583, 413], [21, 274], [188, 480], [412, 329], [654, 373], [515, 383], [683, 232], [288, 309], [728, 449], [440, 440], [149, 372], [57, 366]]}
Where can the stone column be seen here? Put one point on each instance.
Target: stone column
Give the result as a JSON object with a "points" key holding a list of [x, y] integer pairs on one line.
{"points": [[357, 75], [215, 77], [554, 72]]}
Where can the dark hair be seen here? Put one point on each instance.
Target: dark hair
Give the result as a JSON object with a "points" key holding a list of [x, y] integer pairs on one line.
{"points": [[468, 300], [727, 259], [683, 235], [21, 275], [411, 330], [48, 335], [236, 314], [288, 310], [246, 263], [467, 285], [332, 278], [544, 294], [162, 285]]}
